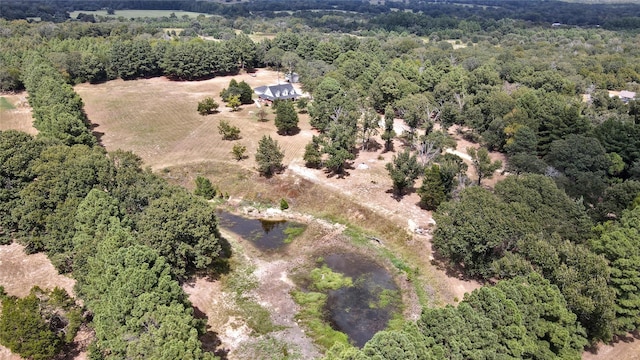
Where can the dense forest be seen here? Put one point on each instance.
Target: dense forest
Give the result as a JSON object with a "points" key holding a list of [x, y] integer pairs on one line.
{"points": [[556, 242]]}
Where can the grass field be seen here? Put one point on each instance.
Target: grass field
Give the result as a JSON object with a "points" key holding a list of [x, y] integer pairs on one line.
{"points": [[157, 119], [15, 113], [6, 104], [127, 14]]}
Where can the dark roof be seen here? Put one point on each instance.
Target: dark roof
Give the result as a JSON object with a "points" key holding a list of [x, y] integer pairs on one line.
{"points": [[277, 92]]}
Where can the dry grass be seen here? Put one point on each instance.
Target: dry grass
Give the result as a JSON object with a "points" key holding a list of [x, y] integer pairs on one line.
{"points": [[157, 119], [18, 118], [20, 272]]}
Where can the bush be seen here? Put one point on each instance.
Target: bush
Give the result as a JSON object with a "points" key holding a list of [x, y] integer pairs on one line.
{"points": [[228, 131], [207, 106], [284, 205], [238, 151], [204, 188]]}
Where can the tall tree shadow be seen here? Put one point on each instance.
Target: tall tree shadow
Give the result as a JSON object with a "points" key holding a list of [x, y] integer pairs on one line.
{"points": [[210, 341]]}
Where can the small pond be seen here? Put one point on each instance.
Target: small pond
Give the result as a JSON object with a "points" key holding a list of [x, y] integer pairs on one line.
{"points": [[266, 235], [365, 308]]}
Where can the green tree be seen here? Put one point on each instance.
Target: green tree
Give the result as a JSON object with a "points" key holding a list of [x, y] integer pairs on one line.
{"points": [[246, 93], [302, 104], [388, 133], [432, 191], [234, 102], [269, 156], [286, 117], [183, 229], [521, 318], [583, 162], [416, 110], [453, 172], [45, 214], [40, 324], [228, 131], [404, 170], [139, 310], [328, 96], [369, 124], [204, 188], [390, 345], [551, 210], [482, 163], [477, 229], [312, 154], [243, 50], [25, 332], [207, 106], [238, 151], [619, 242]]}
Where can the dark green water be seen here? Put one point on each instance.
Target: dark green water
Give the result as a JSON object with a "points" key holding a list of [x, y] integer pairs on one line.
{"points": [[360, 311], [266, 235]]}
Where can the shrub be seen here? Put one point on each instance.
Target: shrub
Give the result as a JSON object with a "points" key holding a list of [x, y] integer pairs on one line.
{"points": [[207, 106]]}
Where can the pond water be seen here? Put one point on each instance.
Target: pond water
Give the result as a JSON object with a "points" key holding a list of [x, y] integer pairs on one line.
{"points": [[365, 308], [266, 235]]}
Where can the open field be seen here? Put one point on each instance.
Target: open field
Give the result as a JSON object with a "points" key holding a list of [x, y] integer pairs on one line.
{"points": [[127, 14], [157, 119], [18, 118]]}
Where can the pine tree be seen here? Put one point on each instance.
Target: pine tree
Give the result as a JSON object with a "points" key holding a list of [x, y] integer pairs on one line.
{"points": [[269, 156], [286, 117], [388, 133], [432, 191]]}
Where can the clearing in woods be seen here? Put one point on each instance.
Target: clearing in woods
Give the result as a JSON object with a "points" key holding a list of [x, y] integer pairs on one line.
{"points": [[157, 119], [15, 113]]}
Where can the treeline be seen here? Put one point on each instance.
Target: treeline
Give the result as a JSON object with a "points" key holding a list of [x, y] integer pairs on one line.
{"points": [[94, 62], [57, 109], [123, 233], [419, 17]]}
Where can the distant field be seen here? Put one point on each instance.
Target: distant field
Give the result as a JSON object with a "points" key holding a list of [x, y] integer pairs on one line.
{"points": [[157, 119], [258, 36], [138, 13]]}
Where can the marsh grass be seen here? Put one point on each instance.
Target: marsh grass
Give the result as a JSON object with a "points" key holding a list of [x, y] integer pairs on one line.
{"points": [[240, 282]]}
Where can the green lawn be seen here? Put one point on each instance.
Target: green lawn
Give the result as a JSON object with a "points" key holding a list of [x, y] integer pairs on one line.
{"points": [[5, 104]]}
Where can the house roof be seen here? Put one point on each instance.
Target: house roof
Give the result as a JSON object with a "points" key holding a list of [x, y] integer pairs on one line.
{"points": [[624, 94], [627, 94], [277, 92]]}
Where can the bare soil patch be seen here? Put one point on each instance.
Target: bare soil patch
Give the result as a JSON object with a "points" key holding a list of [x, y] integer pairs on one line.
{"points": [[18, 118], [20, 272], [624, 348]]}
